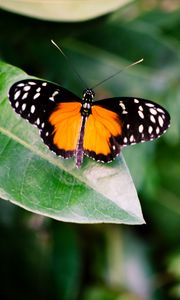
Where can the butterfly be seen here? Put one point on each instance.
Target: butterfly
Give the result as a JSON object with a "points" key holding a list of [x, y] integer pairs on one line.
{"points": [[72, 126]]}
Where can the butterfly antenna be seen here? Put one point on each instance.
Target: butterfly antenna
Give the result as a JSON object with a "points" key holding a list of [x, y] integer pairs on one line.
{"points": [[113, 75], [70, 63]]}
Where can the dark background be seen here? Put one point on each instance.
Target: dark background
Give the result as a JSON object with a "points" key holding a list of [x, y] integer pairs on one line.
{"points": [[45, 259]]}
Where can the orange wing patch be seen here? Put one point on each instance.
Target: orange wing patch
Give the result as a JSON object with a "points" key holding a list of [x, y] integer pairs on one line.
{"points": [[101, 127], [66, 120]]}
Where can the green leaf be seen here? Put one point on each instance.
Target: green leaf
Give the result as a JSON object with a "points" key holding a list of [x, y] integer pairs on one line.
{"points": [[62, 10], [33, 178]]}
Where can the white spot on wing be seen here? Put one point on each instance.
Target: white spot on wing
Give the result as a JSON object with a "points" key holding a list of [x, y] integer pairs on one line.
{"points": [[122, 105], [20, 84], [26, 88], [141, 114], [153, 111], [136, 101], [23, 106], [53, 95], [149, 104], [38, 121], [31, 83], [44, 83], [36, 95], [152, 118], [17, 104], [33, 109], [131, 138], [38, 89], [157, 130], [150, 129], [160, 120], [17, 94], [160, 110], [25, 96], [141, 128]]}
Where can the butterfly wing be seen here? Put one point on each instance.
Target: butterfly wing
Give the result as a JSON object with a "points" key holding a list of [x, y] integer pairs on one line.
{"points": [[53, 109], [103, 130], [123, 121]]}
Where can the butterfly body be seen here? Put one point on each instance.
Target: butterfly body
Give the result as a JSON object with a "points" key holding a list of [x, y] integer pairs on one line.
{"points": [[71, 126]]}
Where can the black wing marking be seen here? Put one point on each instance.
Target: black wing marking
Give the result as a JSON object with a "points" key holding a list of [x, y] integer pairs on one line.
{"points": [[34, 99], [141, 120]]}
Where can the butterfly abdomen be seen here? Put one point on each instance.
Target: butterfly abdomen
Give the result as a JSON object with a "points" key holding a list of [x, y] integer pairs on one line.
{"points": [[79, 148]]}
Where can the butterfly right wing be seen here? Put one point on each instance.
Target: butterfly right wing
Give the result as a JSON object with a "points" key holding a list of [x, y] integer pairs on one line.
{"points": [[140, 119], [53, 109], [122, 121]]}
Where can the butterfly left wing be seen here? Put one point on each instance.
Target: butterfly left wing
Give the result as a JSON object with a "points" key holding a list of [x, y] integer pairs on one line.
{"points": [[53, 109], [122, 121]]}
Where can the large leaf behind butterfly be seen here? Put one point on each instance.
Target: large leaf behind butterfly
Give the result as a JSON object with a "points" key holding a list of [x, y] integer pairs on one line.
{"points": [[32, 177]]}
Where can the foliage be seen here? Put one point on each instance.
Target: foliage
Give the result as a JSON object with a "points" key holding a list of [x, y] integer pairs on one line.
{"points": [[71, 261]]}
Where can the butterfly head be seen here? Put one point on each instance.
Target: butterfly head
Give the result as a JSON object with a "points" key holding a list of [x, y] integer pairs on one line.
{"points": [[88, 95]]}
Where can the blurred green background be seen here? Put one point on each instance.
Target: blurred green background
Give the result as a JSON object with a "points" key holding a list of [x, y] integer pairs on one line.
{"points": [[45, 259]]}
